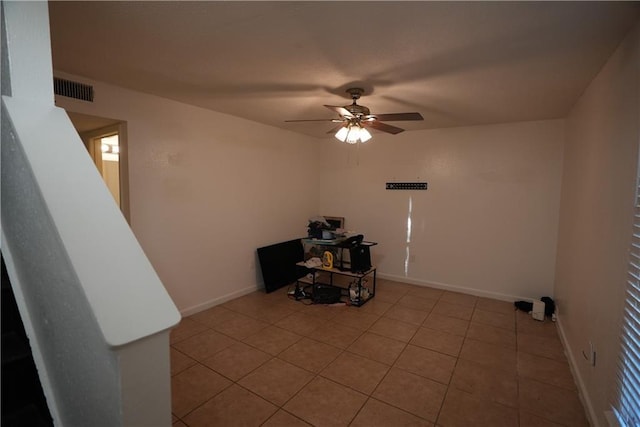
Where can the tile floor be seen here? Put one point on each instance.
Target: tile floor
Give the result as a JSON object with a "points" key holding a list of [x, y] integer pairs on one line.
{"points": [[411, 356]]}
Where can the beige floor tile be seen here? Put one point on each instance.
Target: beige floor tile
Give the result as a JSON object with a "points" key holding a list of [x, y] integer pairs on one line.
{"points": [[309, 354], [459, 298], [525, 324], [458, 311], [491, 355], [530, 420], [550, 347], [375, 307], [248, 303], [300, 323], [559, 405], [499, 320], [214, 316], [425, 292], [194, 386], [415, 394], [274, 313], [339, 335], [391, 296], [489, 384], [447, 324], [442, 342], [353, 318], [325, 403], [545, 370], [406, 314], [416, 302], [236, 361], [494, 305], [272, 339], [204, 345], [395, 329], [240, 327], [180, 361], [324, 311], [378, 414], [426, 363], [377, 347], [284, 419], [462, 410], [401, 350], [185, 329], [395, 285], [491, 334], [355, 371], [277, 381], [233, 407]]}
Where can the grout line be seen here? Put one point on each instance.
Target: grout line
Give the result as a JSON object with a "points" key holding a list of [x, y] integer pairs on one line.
{"points": [[404, 292]]}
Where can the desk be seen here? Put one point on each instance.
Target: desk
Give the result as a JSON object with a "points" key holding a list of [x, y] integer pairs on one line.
{"points": [[337, 247], [357, 291]]}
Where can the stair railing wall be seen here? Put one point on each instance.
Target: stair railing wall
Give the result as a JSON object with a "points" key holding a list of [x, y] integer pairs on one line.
{"points": [[96, 313]]}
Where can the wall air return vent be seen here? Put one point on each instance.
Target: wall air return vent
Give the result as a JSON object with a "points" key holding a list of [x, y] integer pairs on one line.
{"points": [[406, 186], [72, 89]]}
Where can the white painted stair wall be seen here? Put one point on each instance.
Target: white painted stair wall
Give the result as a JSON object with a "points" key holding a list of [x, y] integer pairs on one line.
{"points": [[97, 316]]}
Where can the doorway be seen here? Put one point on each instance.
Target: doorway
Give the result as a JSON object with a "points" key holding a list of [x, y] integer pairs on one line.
{"points": [[106, 141]]}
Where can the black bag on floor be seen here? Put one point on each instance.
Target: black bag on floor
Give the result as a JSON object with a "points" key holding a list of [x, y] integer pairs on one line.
{"points": [[525, 306]]}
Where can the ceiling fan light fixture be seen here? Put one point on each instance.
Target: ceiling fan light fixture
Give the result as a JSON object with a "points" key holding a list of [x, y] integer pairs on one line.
{"points": [[364, 135], [342, 133], [353, 135]]}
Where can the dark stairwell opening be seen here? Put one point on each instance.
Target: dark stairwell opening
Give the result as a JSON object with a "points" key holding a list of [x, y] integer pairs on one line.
{"points": [[23, 402]]}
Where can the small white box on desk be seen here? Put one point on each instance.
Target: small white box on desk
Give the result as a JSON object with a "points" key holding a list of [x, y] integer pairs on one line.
{"points": [[538, 310]]}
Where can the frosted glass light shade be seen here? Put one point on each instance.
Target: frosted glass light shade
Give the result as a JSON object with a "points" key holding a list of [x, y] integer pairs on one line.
{"points": [[353, 133], [364, 135], [342, 134]]}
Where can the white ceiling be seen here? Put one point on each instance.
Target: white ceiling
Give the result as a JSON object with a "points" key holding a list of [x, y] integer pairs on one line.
{"points": [[457, 63]]}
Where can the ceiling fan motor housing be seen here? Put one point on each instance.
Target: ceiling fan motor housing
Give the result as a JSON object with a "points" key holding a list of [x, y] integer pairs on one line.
{"points": [[355, 109]]}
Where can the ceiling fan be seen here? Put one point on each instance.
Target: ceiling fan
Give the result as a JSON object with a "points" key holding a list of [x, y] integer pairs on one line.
{"points": [[354, 119]]}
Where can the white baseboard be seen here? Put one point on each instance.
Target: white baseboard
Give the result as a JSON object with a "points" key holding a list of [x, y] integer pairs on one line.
{"points": [[453, 288], [217, 301], [582, 389]]}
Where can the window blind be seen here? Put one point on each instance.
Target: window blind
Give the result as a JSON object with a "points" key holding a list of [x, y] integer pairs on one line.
{"points": [[628, 405]]}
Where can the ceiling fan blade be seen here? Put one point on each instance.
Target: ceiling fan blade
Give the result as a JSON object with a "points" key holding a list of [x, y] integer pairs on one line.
{"points": [[340, 110], [399, 117], [314, 120], [383, 127]]}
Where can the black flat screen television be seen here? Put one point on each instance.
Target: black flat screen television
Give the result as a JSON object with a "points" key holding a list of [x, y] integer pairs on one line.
{"points": [[278, 264]]}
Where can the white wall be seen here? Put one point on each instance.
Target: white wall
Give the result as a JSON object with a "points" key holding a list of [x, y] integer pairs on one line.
{"points": [[601, 155], [206, 190], [487, 223]]}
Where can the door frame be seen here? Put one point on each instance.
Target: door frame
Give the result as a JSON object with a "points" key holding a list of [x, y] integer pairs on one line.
{"points": [[123, 160]]}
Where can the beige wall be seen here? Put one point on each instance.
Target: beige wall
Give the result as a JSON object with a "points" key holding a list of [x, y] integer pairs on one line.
{"points": [[600, 161], [487, 223], [206, 190]]}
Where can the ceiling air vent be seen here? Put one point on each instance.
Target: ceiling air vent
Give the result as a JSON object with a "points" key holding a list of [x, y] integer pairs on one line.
{"points": [[72, 89]]}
